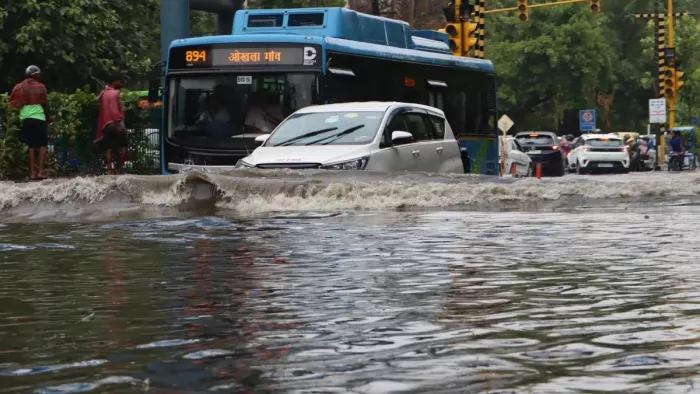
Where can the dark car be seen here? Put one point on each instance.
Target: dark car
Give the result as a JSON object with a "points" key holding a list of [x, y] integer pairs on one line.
{"points": [[543, 148]]}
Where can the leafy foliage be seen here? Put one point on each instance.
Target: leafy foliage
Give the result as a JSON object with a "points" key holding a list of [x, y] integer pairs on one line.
{"points": [[76, 42], [71, 137]]}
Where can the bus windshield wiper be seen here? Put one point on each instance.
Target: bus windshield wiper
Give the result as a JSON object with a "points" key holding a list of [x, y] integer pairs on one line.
{"points": [[337, 136], [307, 135]]}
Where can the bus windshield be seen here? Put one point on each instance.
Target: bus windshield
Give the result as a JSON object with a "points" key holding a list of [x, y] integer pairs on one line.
{"points": [[221, 106]]}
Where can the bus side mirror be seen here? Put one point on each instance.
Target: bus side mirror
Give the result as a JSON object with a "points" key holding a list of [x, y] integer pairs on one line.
{"points": [[153, 90]]}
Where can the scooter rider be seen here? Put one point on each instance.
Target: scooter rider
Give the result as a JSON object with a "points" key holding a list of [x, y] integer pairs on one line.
{"points": [[676, 150]]}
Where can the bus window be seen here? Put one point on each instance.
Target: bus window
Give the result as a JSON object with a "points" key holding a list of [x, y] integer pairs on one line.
{"points": [[455, 103], [435, 99]]}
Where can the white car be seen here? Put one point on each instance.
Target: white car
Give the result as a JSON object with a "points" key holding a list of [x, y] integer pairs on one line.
{"points": [[518, 162], [372, 136], [599, 152]]}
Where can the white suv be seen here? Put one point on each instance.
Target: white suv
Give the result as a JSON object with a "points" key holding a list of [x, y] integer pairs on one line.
{"points": [[599, 152], [372, 136]]}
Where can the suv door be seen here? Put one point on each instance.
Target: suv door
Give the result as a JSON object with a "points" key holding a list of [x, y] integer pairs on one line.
{"points": [[448, 154], [575, 151], [423, 147], [395, 157]]}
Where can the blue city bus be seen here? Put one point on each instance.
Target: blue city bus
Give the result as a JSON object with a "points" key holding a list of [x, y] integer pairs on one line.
{"points": [[287, 59]]}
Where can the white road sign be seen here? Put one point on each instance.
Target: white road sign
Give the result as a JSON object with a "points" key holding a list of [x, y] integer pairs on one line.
{"points": [[505, 123], [657, 110]]}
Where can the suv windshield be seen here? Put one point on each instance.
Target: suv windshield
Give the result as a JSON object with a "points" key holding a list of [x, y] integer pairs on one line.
{"points": [[604, 143], [327, 128], [535, 139], [224, 105]]}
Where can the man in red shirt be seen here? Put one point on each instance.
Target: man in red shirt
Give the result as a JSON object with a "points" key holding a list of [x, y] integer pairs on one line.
{"points": [[111, 129], [30, 98]]}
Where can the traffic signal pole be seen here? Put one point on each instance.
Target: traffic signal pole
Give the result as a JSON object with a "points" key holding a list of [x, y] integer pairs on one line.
{"points": [[661, 69], [672, 103]]}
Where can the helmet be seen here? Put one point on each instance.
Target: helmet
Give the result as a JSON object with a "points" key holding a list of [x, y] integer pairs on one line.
{"points": [[32, 70], [645, 137], [570, 137]]}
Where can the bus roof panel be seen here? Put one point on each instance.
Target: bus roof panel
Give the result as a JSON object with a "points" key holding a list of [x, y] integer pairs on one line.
{"points": [[408, 55], [252, 38]]}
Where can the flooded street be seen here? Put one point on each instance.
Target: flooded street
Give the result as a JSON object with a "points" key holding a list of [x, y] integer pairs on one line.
{"points": [[554, 286]]}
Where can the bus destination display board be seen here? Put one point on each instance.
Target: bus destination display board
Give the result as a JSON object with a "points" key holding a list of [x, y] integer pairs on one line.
{"points": [[245, 56]]}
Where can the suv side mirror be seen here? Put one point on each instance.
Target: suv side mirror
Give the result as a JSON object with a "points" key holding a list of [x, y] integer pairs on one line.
{"points": [[153, 90], [259, 140], [401, 137]]}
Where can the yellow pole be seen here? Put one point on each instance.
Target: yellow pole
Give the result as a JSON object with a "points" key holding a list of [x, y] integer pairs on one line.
{"points": [[674, 99], [534, 6]]}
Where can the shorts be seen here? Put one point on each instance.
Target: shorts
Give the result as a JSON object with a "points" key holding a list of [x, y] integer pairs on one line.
{"points": [[113, 139], [34, 133]]}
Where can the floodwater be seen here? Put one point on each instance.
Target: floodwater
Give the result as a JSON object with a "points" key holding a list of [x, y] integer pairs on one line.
{"points": [[405, 284]]}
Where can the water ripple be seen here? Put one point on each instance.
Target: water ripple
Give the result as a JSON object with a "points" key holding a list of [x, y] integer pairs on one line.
{"points": [[543, 302]]}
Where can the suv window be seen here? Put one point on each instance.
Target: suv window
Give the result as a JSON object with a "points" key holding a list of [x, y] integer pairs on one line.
{"points": [[535, 139], [418, 126], [398, 124], [604, 142], [438, 127]]}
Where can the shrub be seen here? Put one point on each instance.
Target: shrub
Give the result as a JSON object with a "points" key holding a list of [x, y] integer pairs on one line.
{"points": [[71, 136]]}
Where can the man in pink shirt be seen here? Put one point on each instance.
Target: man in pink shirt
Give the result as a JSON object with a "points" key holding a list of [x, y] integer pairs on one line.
{"points": [[111, 129]]}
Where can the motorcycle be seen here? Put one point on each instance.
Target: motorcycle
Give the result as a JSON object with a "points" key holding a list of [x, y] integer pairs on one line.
{"points": [[682, 161]]}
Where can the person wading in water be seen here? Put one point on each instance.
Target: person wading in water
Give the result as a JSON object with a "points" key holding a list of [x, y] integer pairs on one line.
{"points": [[31, 99], [111, 129]]}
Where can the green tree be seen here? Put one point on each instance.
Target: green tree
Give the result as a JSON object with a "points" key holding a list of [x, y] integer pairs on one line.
{"points": [[76, 42]]}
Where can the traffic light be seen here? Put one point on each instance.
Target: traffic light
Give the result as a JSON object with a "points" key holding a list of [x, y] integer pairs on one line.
{"points": [[678, 77], [522, 10], [455, 32], [470, 36], [669, 83], [595, 6]]}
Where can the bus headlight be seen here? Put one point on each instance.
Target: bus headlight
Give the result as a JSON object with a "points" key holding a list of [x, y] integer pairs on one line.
{"points": [[357, 164], [242, 164]]}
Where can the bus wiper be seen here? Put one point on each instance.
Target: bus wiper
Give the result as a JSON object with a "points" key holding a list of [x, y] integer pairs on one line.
{"points": [[337, 136], [307, 135]]}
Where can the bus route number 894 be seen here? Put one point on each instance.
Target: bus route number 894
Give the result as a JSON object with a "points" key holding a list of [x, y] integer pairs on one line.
{"points": [[195, 56]]}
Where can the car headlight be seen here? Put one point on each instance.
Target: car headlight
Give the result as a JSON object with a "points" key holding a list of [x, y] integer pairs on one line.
{"points": [[242, 164], [357, 164]]}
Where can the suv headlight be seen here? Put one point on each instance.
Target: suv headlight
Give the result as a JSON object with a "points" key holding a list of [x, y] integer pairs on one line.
{"points": [[242, 164], [357, 164]]}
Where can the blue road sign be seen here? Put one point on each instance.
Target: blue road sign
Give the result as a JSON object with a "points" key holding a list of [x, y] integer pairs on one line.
{"points": [[694, 120], [586, 120]]}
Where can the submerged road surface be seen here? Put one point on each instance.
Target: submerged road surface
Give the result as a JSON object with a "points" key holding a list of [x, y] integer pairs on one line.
{"points": [[401, 284]]}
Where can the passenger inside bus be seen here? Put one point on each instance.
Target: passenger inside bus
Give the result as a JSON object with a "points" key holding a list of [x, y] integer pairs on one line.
{"points": [[264, 112], [216, 118], [214, 110]]}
